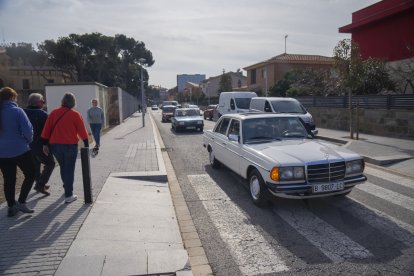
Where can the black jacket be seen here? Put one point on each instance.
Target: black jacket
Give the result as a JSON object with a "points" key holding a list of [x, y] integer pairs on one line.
{"points": [[38, 118]]}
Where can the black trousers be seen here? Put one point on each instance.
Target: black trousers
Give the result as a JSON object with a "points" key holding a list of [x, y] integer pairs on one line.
{"points": [[8, 167], [42, 176]]}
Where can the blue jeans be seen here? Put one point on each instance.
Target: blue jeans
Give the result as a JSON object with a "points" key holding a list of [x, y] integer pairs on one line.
{"points": [[66, 157], [96, 132]]}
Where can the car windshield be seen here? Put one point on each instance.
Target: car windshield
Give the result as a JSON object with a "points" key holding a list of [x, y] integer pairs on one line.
{"points": [[169, 109], [288, 107], [186, 112], [243, 103], [260, 130]]}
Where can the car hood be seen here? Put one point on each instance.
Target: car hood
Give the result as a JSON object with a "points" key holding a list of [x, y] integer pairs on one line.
{"points": [[188, 118], [301, 151]]}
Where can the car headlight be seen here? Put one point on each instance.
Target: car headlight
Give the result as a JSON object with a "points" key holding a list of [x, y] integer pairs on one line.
{"points": [[199, 122], [354, 167], [287, 173], [181, 123]]}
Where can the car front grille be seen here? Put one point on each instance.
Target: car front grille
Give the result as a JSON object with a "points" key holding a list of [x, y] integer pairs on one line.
{"points": [[327, 172]]}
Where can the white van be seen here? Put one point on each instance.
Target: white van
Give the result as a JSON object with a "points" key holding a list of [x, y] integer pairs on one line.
{"points": [[234, 102], [282, 105]]}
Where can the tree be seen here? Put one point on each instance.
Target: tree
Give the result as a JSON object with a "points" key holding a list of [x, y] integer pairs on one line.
{"points": [[23, 54], [112, 61], [225, 83], [357, 76]]}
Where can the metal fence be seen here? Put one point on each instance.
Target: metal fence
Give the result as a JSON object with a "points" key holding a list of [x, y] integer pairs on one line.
{"points": [[368, 102]]}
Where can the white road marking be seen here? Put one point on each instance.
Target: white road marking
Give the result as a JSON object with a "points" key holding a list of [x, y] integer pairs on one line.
{"points": [[334, 244], [400, 180], [249, 248], [389, 225], [388, 195]]}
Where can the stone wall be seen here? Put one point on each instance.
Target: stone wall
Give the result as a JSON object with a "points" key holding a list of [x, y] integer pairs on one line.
{"points": [[390, 123]]}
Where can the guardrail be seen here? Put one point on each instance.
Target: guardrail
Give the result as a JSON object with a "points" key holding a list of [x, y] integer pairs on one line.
{"points": [[368, 102]]}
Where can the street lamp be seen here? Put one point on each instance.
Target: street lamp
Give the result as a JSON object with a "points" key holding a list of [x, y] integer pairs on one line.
{"points": [[285, 42], [142, 61]]}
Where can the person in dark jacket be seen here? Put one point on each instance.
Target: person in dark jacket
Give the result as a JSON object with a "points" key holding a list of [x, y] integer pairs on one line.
{"points": [[37, 117], [16, 133]]}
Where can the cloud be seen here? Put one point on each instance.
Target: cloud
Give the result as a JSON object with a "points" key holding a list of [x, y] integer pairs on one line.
{"points": [[189, 36]]}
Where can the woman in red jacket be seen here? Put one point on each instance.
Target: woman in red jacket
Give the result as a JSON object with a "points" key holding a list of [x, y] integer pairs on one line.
{"points": [[63, 128]]}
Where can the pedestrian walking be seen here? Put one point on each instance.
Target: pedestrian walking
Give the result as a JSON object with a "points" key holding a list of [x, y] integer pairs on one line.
{"points": [[95, 119], [16, 133], [60, 136], [139, 108], [37, 117]]}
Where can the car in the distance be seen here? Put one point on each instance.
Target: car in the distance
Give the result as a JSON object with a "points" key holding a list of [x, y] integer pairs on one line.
{"points": [[154, 107], [209, 112], [167, 112], [279, 156], [187, 118]]}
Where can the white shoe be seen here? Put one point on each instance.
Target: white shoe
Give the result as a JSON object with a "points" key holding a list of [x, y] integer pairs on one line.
{"points": [[71, 198]]}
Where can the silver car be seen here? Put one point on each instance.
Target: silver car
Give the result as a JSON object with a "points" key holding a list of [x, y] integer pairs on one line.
{"points": [[280, 157]]}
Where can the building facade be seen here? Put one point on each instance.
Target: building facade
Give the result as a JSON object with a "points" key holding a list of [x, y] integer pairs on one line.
{"points": [[184, 78], [29, 79], [210, 86], [385, 31], [265, 74]]}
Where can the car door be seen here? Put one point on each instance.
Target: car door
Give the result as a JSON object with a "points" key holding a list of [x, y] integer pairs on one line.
{"points": [[231, 149], [220, 139]]}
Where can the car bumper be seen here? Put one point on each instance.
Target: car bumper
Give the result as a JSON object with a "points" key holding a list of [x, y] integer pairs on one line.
{"points": [[300, 191]]}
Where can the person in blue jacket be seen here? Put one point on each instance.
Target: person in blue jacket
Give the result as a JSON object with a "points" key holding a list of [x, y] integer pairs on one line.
{"points": [[37, 117], [16, 133]]}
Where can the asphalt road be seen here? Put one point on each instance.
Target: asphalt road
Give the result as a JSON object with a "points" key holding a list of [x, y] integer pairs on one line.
{"points": [[370, 232]]}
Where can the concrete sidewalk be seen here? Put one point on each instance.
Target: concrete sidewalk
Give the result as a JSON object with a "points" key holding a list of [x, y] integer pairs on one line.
{"points": [[392, 153], [131, 228]]}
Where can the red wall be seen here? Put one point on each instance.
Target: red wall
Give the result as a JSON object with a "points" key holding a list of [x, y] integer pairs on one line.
{"points": [[387, 38]]}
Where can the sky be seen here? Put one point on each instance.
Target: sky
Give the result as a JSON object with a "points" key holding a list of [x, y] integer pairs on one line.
{"points": [[189, 36]]}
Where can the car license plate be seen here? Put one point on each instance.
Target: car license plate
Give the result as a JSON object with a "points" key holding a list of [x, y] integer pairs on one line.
{"points": [[191, 127], [322, 188]]}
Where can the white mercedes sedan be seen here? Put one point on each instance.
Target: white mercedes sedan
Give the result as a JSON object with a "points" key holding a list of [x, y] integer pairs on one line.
{"points": [[279, 156]]}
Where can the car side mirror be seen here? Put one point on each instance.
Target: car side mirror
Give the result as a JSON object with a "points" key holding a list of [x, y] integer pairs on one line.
{"points": [[234, 137]]}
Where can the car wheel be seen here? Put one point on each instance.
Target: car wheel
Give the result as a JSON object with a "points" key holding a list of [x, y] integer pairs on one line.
{"points": [[213, 161], [177, 129], [258, 190], [201, 129], [205, 117]]}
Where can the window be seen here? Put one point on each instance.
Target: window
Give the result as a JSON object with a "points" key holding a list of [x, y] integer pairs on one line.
{"points": [[25, 84], [50, 80], [235, 127], [253, 76], [267, 107], [223, 125]]}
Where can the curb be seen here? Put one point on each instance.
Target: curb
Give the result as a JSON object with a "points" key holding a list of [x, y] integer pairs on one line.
{"points": [[192, 243]]}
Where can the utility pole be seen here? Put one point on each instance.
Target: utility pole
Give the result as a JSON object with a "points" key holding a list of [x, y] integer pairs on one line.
{"points": [[142, 61]]}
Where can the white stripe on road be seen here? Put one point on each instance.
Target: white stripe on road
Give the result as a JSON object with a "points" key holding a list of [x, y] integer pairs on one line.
{"points": [[389, 225], [334, 244], [399, 180], [388, 195], [250, 250]]}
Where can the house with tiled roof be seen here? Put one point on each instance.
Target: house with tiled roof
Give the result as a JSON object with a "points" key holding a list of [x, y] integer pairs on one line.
{"points": [[267, 73]]}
